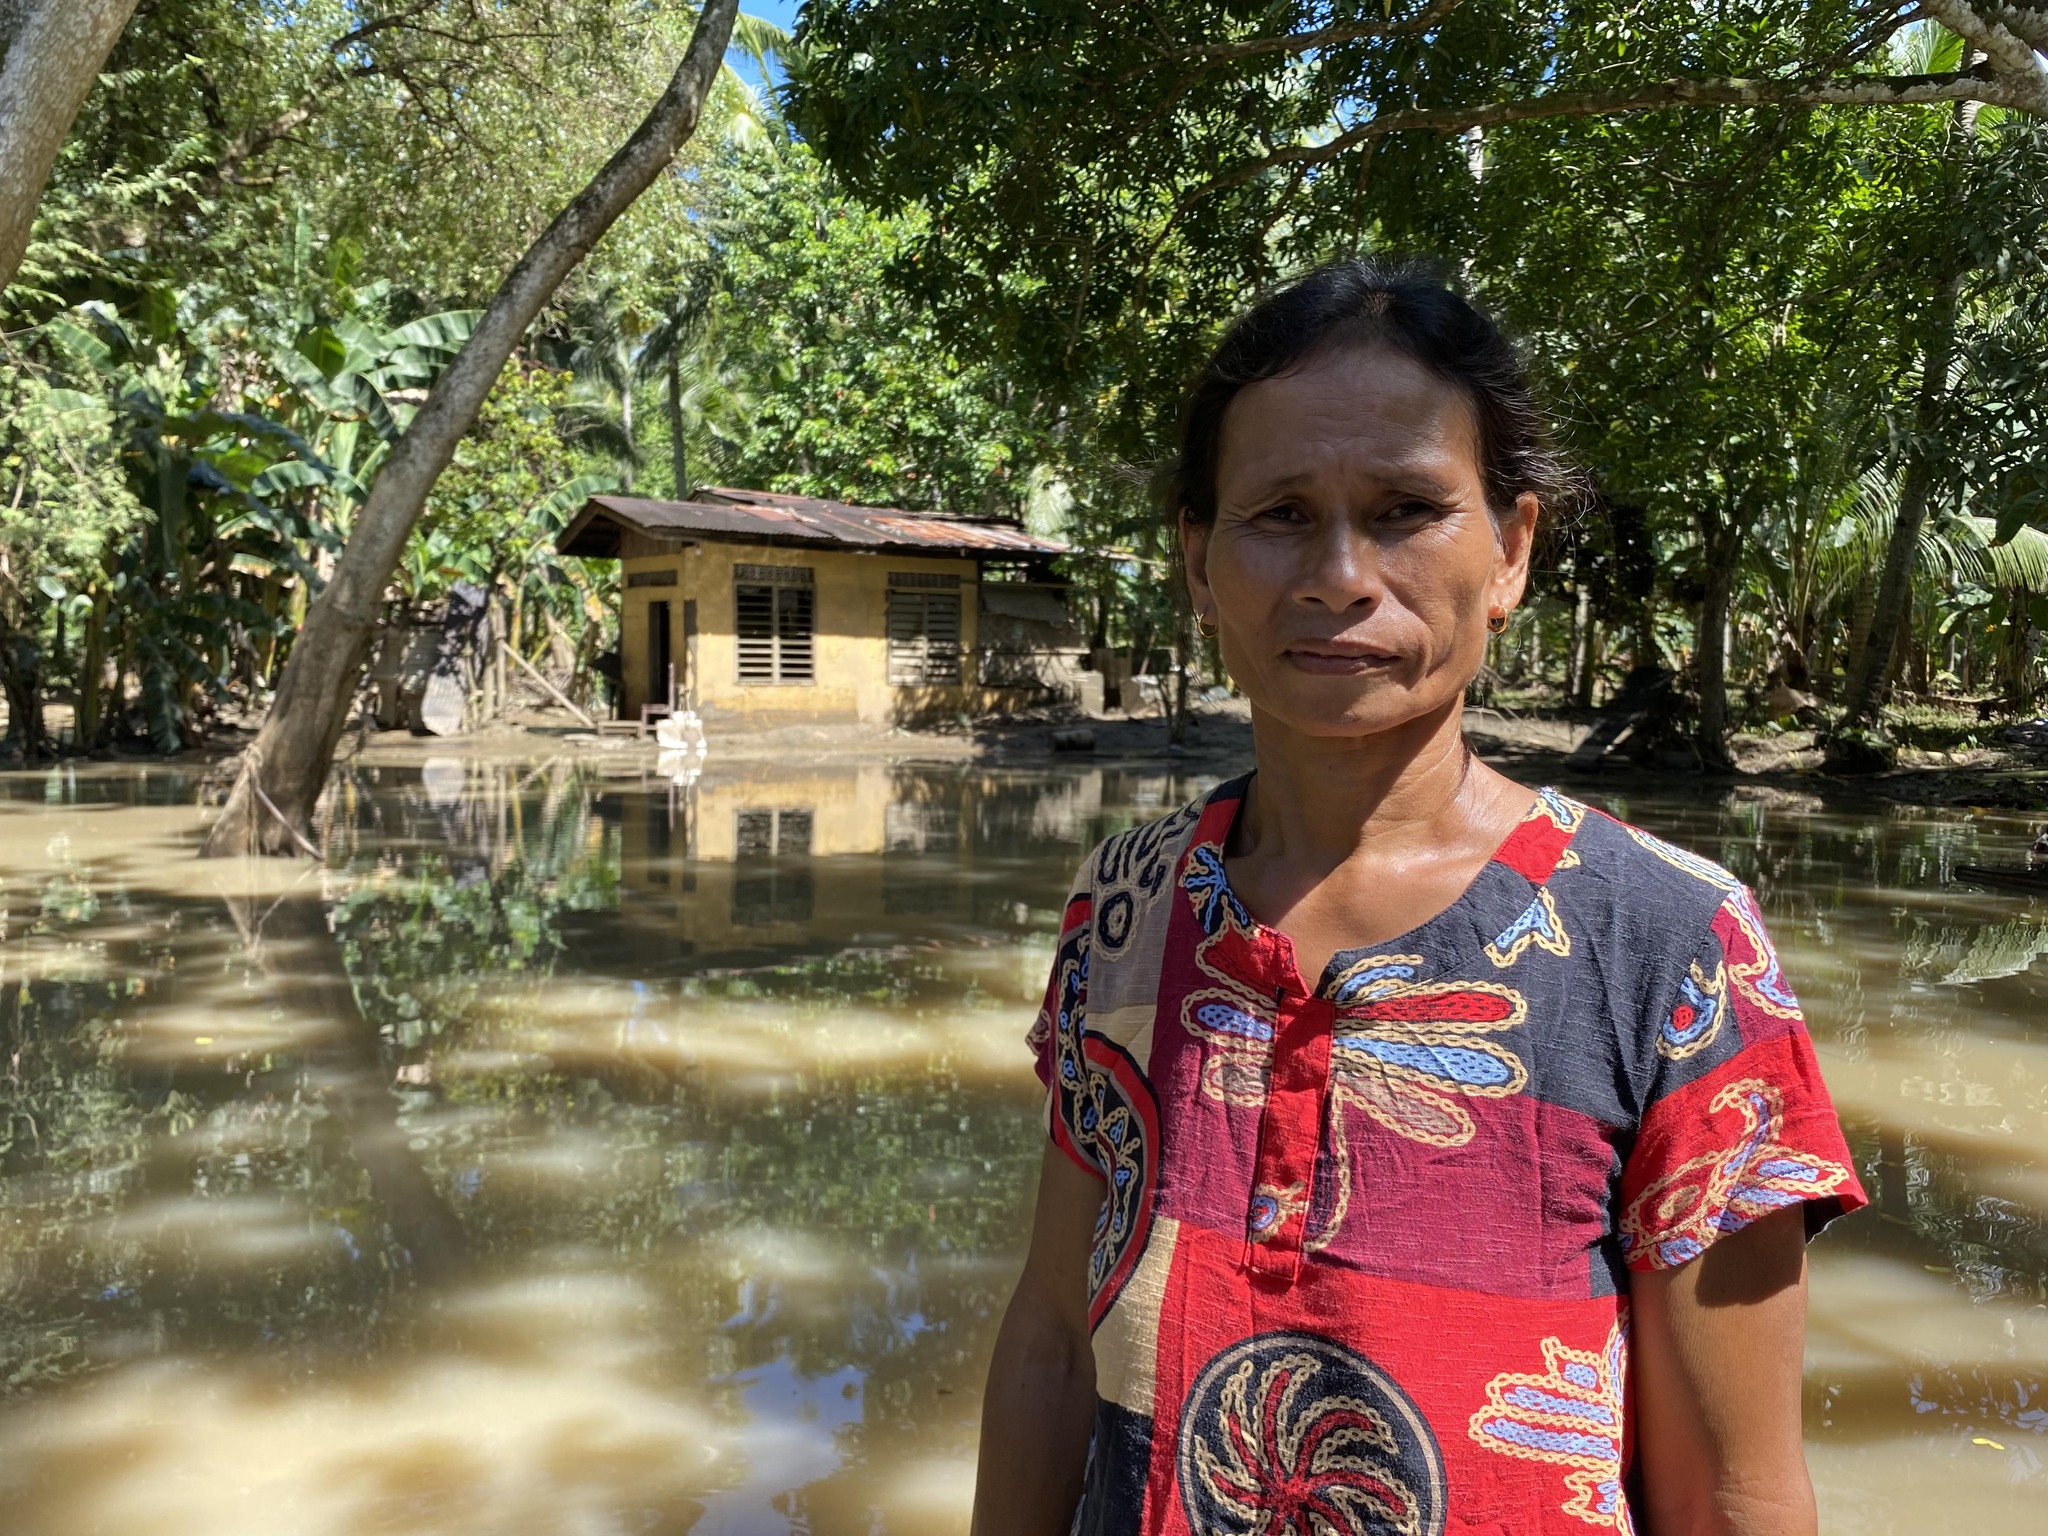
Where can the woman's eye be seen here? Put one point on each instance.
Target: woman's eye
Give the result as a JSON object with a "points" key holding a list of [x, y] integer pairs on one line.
{"points": [[1286, 512], [1411, 511]]}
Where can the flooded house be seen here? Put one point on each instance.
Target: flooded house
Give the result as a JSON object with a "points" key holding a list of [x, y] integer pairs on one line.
{"points": [[752, 607]]}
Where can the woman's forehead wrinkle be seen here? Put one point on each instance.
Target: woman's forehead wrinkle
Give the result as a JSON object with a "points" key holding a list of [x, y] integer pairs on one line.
{"points": [[1302, 457], [1341, 420]]}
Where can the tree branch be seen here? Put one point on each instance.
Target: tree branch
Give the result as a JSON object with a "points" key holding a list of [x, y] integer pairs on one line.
{"points": [[1303, 42], [2028, 23], [1860, 91], [1982, 30]]}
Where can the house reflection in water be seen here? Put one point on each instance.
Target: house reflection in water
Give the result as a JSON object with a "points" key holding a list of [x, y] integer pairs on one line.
{"points": [[825, 859]]}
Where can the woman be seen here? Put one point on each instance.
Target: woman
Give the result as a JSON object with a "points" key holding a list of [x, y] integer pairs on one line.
{"points": [[1428, 1154]]}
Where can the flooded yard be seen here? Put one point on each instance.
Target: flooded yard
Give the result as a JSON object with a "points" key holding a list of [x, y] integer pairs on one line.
{"points": [[582, 1151]]}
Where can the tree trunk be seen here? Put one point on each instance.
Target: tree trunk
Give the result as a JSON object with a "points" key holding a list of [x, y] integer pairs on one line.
{"points": [[2013, 654], [21, 679], [677, 450], [1870, 683], [287, 764], [1174, 700], [1580, 607], [53, 53], [92, 667], [626, 426], [1889, 604], [1584, 649], [1710, 645]]}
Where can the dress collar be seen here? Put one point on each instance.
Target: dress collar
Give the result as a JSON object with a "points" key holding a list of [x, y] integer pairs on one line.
{"points": [[1506, 907]]}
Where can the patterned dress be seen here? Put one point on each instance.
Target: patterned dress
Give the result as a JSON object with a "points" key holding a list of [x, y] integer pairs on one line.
{"points": [[1362, 1262]]}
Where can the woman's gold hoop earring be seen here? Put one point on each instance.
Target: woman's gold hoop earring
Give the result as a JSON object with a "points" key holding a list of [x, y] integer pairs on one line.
{"points": [[1205, 626], [1497, 624]]}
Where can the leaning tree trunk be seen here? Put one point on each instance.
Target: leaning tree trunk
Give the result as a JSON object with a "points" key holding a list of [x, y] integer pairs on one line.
{"points": [[285, 768], [53, 53]]}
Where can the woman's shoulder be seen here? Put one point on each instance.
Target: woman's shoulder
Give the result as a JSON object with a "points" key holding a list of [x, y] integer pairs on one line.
{"points": [[1666, 894], [1122, 892], [1144, 855]]}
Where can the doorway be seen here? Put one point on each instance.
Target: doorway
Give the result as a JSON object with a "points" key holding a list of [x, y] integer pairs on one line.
{"points": [[659, 657]]}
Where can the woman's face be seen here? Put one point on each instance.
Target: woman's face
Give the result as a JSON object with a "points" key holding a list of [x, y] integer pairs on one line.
{"points": [[1353, 561]]}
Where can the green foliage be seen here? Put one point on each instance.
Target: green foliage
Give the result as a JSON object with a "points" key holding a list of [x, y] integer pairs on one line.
{"points": [[64, 494], [1727, 305], [971, 271], [516, 481], [858, 396]]}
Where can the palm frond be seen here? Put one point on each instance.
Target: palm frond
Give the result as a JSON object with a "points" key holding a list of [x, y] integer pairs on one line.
{"points": [[2020, 563], [759, 40]]}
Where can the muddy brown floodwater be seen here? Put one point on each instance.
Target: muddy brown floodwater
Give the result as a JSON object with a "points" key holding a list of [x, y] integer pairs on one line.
{"points": [[584, 1152]]}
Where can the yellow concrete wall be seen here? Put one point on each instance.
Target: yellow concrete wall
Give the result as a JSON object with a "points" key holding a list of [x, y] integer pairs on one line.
{"points": [[848, 809], [690, 871], [851, 618]]}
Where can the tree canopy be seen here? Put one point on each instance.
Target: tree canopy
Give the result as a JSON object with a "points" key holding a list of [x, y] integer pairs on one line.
{"points": [[1779, 269]]}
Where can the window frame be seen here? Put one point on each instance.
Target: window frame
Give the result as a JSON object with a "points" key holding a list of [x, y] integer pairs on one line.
{"points": [[908, 657], [792, 594]]}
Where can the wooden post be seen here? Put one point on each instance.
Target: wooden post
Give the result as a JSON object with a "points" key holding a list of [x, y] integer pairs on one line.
{"points": [[554, 693]]}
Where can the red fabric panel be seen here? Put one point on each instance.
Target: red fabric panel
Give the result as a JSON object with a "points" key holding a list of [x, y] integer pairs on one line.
{"points": [[1290, 1131]]}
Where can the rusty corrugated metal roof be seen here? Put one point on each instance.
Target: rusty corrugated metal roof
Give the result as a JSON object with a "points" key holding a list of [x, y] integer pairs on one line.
{"points": [[768, 518]]}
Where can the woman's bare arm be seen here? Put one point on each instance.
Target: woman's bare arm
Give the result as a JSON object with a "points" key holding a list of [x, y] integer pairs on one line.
{"points": [[1039, 1408], [1717, 1349]]}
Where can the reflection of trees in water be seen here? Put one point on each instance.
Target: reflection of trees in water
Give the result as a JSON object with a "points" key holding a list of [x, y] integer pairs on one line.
{"points": [[162, 1194], [907, 1180], [1954, 954]]}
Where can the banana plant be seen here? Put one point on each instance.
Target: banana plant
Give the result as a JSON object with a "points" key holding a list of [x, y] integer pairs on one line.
{"points": [[246, 507], [164, 602], [358, 387]]}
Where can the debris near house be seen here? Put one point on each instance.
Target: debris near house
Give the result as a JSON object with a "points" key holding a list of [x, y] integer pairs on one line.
{"points": [[682, 732], [1784, 702], [437, 672]]}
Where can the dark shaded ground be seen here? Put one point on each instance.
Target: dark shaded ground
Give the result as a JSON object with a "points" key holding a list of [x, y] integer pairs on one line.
{"points": [[1535, 748]]}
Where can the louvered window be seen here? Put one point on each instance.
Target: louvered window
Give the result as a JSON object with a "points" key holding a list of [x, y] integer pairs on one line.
{"points": [[772, 880], [776, 605], [924, 630]]}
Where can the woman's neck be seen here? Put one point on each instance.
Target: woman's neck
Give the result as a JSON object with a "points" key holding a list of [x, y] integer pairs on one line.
{"points": [[1318, 800]]}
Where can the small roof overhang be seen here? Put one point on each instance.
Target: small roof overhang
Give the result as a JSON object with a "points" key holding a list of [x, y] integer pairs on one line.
{"points": [[764, 518]]}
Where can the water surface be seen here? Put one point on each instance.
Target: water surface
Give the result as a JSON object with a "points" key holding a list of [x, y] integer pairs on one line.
{"points": [[583, 1151]]}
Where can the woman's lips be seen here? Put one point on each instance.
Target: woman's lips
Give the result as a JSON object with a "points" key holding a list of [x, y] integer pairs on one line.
{"points": [[1338, 661]]}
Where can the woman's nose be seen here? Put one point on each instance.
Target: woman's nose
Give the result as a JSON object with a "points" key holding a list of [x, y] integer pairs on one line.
{"points": [[1343, 569]]}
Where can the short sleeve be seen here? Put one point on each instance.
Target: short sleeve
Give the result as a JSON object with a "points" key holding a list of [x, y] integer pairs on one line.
{"points": [[1738, 1122], [1055, 1037]]}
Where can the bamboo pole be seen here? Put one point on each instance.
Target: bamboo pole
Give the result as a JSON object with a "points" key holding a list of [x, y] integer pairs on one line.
{"points": [[555, 693]]}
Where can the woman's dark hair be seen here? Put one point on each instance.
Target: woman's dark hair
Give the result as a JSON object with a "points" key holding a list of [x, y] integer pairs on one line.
{"points": [[1364, 303]]}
